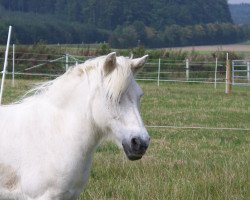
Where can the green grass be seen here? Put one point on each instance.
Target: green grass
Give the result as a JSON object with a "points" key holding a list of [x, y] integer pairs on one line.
{"points": [[180, 163], [195, 105]]}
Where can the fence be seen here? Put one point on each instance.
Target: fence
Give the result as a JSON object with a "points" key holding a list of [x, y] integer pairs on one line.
{"points": [[241, 72], [47, 65], [158, 70], [154, 70], [184, 71]]}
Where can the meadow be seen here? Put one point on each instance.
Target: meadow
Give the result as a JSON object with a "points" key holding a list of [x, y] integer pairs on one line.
{"points": [[180, 163]]}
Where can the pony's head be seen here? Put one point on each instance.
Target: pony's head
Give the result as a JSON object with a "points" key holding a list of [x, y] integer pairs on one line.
{"points": [[115, 109]]}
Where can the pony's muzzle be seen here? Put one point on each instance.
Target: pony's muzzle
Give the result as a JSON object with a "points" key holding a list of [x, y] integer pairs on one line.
{"points": [[136, 147]]}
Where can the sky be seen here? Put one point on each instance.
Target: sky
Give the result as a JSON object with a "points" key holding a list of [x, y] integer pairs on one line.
{"points": [[238, 1]]}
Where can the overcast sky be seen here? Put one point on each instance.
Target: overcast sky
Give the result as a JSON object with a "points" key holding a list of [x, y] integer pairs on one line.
{"points": [[238, 1]]}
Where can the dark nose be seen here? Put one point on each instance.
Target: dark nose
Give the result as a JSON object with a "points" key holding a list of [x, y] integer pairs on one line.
{"points": [[139, 145]]}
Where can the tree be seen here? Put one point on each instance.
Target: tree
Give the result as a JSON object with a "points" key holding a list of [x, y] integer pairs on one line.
{"points": [[74, 11], [124, 23]]}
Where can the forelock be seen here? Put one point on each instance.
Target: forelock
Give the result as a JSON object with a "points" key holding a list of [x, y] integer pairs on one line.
{"points": [[117, 82]]}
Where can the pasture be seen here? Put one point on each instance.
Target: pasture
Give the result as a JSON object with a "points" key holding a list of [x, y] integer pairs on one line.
{"points": [[180, 163]]}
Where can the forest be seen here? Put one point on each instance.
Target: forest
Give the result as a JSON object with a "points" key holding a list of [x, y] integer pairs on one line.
{"points": [[121, 23]]}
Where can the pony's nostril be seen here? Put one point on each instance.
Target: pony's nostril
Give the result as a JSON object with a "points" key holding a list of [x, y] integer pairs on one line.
{"points": [[135, 143]]}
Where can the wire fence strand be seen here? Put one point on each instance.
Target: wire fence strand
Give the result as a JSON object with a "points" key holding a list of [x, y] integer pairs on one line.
{"points": [[200, 127]]}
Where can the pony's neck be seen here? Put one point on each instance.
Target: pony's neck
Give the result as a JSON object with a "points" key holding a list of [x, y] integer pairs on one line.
{"points": [[73, 93], [65, 89], [69, 98]]}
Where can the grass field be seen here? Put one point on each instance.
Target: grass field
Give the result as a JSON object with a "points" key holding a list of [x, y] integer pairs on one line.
{"points": [[180, 163]]}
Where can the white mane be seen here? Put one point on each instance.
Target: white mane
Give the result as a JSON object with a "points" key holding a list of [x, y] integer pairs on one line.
{"points": [[116, 83]]}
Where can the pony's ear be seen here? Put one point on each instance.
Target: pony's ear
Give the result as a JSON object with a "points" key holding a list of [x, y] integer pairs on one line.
{"points": [[138, 63], [109, 63]]}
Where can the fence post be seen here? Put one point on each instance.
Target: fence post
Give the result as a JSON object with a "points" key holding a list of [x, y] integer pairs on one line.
{"points": [[67, 61], [228, 76], [215, 73], [187, 69], [248, 71], [233, 71], [13, 66], [5, 64], [159, 72]]}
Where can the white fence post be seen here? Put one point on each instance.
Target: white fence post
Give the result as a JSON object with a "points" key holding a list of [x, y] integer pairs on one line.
{"points": [[233, 71], [228, 77], [187, 69], [67, 61], [248, 71], [159, 72], [13, 66], [5, 64], [215, 73]]}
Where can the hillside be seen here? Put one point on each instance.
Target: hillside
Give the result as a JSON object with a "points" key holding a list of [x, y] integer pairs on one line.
{"points": [[240, 13], [121, 23], [109, 14]]}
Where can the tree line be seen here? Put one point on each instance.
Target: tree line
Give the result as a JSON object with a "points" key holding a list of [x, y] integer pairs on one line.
{"points": [[108, 14], [121, 23], [176, 35]]}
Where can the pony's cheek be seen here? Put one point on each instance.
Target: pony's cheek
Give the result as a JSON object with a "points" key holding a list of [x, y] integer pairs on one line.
{"points": [[115, 133], [99, 113]]}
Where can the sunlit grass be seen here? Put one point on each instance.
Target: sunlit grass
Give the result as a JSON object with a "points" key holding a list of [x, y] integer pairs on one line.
{"points": [[183, 164]]}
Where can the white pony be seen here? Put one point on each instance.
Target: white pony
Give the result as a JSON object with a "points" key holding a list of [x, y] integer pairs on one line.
{"points": [[47, 140]]}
